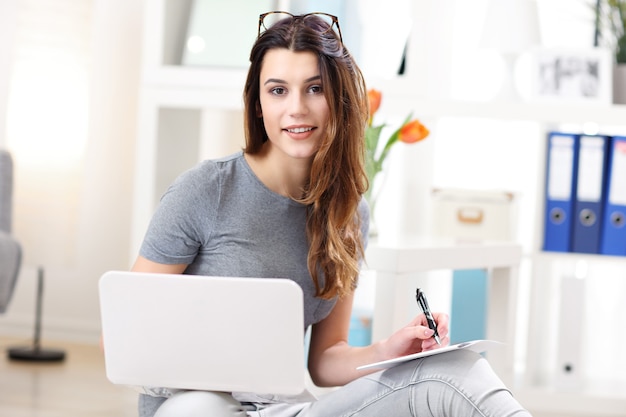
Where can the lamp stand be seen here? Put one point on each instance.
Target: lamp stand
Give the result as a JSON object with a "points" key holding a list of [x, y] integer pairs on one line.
{"points": [[508, 91], [36, 353]]}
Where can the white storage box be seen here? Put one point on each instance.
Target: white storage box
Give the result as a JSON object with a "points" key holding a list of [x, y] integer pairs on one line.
{"points": [[474, 214]]}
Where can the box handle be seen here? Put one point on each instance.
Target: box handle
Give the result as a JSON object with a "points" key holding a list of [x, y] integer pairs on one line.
{"points": [[469, 215]]}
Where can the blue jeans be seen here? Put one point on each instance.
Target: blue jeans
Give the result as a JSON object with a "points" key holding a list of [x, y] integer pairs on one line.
{"points": [[454, 384]]}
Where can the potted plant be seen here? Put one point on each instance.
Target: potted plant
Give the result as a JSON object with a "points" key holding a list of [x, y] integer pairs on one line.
{"points": [[610, 25]]}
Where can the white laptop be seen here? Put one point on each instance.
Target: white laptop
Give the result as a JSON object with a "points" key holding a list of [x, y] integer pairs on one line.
{"points": [[203, 333]]}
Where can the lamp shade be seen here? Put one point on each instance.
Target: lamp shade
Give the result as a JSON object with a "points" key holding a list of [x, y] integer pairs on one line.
{"points": [[511, 26]]}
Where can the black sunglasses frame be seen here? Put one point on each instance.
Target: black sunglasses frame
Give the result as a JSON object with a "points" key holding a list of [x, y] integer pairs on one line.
{"points": [[335, 20]]}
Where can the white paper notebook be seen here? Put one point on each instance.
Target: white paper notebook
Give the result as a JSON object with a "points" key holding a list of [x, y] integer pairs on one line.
{"points": [[474, 345], [205, 333]]}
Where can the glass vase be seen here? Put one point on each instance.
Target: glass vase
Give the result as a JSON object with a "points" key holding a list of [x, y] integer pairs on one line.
{"points": [[372, 198]]}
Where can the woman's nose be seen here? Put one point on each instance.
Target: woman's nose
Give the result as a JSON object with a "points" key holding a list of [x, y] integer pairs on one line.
{"points": [[297, 104]]}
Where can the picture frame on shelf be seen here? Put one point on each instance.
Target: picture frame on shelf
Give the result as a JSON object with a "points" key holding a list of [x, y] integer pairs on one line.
{"points": [[572, 75]]}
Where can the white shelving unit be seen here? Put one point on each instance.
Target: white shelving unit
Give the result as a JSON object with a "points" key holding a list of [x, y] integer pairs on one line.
{"points": [[543, 112], [179, 105], [395, 302], [545, 382]]}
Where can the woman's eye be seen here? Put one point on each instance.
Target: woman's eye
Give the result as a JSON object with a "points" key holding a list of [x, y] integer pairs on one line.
{"points": [[278, 91], [315, 89]]}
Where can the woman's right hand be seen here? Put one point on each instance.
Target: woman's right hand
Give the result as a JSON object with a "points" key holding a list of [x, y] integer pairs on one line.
{"points": [[416, 337]]}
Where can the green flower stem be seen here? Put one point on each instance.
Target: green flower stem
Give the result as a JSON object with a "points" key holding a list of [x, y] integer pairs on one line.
{"points": [[374, 164]]}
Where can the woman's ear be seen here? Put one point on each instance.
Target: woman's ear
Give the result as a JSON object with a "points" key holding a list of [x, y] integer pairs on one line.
{"points": [[259, 112]]}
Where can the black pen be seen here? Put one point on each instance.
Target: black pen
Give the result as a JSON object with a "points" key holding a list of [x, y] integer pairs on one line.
{"points": [[421, 301]]}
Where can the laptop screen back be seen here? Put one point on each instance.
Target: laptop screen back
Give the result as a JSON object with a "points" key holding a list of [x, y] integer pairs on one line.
{"points": [[203, 333]]}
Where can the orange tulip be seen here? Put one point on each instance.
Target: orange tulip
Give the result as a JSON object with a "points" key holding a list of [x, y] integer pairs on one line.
{"points": [[413, 132], [410, 131], [374, 97]]}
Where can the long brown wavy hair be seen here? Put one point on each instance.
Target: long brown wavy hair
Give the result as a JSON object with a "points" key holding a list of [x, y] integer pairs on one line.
{"points": [[337, 179]]}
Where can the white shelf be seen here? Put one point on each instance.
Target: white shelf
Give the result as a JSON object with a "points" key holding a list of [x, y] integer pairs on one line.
{"points": [[154, 98], [193, 78], [437, 254], [573, 256], [539, 112]]}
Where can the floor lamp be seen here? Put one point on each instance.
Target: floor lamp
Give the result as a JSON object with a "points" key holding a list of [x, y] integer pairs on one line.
{"points": [[36, 353]]}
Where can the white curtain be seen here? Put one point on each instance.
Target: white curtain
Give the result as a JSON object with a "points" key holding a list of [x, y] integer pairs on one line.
{"points": [[47, 123]]}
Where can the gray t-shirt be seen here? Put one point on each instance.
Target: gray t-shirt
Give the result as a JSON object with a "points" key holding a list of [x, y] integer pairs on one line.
{"points": [[221, 220]]}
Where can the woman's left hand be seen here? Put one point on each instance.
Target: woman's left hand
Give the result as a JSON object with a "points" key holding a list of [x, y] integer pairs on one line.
{"points": [[417, 337]]}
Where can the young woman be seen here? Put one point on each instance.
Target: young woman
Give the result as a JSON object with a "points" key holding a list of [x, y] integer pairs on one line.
{"points": [[290, 205]]}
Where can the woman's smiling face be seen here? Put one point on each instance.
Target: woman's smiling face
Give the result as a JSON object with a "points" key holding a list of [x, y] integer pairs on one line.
{"points": [[293, 106]]}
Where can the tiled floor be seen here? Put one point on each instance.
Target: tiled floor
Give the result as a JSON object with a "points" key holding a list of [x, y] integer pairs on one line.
{"points": [[76, 387]]}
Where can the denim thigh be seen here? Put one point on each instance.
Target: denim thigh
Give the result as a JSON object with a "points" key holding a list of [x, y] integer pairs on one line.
{"points": [[459, 383], [148, 405]]}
